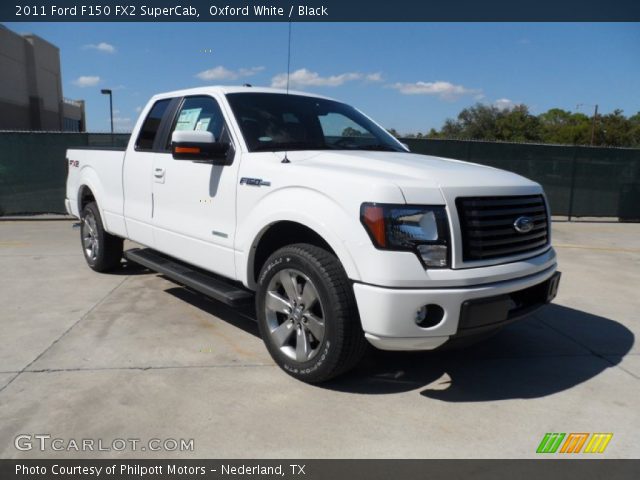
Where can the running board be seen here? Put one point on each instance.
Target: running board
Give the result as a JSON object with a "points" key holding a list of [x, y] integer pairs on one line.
{"points": [[206, 283]]}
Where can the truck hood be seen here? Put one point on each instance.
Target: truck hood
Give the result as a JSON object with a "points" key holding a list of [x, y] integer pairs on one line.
{"points": [[418, 175]]}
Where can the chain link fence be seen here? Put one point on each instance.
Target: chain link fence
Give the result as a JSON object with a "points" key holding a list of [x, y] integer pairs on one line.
{"points": [[579, 181]]}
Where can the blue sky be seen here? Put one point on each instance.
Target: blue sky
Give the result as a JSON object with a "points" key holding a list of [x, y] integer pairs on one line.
{"points": [[410, 77]]}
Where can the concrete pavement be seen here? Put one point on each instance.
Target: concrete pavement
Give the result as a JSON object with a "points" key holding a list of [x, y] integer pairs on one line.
{"points": [[133, 355]]}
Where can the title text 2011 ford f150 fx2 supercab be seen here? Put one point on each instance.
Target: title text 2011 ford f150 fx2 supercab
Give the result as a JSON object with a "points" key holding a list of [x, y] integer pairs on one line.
{"points": [[338, 232]]}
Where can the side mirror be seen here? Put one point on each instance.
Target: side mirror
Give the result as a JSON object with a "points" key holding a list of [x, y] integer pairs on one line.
{"points": [[198, 145]]}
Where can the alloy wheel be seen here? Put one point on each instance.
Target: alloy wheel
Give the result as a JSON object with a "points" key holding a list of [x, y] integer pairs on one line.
{"points": [[295, 315]]}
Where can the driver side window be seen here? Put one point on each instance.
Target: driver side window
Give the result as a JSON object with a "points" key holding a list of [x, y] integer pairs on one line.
{"points": [[201, 113]]}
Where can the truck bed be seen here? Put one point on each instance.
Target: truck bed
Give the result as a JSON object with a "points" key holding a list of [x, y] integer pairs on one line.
{"points": [[101, 171]]}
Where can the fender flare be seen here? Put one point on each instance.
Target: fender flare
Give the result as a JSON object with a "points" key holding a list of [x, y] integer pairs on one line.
{"points": [[313, 209], [90, 179]]}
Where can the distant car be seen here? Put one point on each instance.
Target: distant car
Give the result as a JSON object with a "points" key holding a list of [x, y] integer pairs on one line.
{"points": [[309, 207]]}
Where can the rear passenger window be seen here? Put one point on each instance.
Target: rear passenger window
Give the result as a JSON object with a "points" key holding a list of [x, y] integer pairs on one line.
{"points": [[151, 124]]}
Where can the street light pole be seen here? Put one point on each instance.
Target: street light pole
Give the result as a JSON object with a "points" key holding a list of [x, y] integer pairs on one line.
{"points": [[106, 91]]}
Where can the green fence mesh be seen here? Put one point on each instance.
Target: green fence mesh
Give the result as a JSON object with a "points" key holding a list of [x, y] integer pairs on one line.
{"points": [[33, 168], [579, 181]]}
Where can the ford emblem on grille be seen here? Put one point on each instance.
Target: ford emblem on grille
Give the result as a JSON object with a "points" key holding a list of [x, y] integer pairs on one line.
{"points": [[523, 224]]}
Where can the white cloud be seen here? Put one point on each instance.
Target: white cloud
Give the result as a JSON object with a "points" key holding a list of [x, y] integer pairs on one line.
{"points": [[138, 108], [374, 77], [305, 78], [86, 81], [103, 47], [444, 90], [504, 104], [122, 124], [222, 73]]}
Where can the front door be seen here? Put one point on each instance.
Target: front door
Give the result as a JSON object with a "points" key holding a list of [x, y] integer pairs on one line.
{"points": [[194, 215], [137, 175]]}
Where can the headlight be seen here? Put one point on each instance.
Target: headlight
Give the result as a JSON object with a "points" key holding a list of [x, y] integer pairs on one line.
{"points": [[417, 228]]}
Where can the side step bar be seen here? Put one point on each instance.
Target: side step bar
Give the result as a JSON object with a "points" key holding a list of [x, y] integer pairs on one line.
{"points": [[192, 277]]}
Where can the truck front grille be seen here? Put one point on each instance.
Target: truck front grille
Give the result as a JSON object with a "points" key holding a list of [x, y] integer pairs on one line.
{"points": [[488, 225]]}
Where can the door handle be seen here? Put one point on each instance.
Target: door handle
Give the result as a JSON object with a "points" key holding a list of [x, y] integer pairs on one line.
{"points": [[158, 172]]}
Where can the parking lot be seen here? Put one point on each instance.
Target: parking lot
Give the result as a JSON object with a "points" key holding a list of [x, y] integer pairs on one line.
{"points": [[133, 355]]}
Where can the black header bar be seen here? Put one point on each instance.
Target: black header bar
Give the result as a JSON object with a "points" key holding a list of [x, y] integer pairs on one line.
{"points": [[320, 11]]}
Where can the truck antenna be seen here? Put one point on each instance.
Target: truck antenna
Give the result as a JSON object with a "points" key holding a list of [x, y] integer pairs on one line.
{"points": [[289, 57], [286, 159]]}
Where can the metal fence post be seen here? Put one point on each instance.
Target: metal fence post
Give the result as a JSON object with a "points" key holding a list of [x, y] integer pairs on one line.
{"points": [[573, 181]]}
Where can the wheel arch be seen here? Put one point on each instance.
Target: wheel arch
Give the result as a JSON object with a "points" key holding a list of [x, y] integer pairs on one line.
{"points": [[85, 196], [90, 189], [281, 233], [321, 217]]}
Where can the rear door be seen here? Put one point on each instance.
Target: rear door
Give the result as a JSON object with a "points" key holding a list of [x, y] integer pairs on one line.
{"points": [[138, 171], [194, 216]]}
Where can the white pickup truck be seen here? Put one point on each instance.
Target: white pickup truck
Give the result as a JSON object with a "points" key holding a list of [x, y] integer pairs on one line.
{"points": [[338, 232]]}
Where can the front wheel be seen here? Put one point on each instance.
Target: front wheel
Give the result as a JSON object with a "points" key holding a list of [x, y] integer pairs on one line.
{"points": [[102, 251], [307, 314]]}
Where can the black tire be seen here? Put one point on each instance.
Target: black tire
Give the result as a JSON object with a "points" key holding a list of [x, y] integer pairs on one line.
{"points": [[101, 250], [342, 344]]}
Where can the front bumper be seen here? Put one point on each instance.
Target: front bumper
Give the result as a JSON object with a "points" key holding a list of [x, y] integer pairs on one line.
{"points": [[388, 315]]}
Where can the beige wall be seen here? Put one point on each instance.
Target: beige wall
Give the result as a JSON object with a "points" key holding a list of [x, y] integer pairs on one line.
{"points": [[13, 68], [31, 94]]}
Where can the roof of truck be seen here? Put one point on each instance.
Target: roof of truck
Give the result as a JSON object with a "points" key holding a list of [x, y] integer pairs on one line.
{"points": [[224, 89]]}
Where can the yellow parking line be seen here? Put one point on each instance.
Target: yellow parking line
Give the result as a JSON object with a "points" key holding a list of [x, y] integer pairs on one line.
{"points": [[594, 247]]}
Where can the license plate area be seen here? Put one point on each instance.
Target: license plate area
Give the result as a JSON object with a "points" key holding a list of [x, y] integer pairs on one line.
{"points": [[492, 312]]}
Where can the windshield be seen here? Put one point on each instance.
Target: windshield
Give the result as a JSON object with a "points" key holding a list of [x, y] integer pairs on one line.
{"points": [[277, 121]]}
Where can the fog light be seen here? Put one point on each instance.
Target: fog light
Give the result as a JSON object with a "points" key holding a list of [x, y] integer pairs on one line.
{"points": [[429, 315]]}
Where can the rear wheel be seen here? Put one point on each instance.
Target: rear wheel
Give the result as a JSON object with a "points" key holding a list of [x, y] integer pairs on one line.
{"points": [[102, 251], [307, 314]]}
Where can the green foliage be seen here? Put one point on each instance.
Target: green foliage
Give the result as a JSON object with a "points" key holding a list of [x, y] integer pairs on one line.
{"points": [[518, 125], [560, 126], [556, 126], [352, 132], [394, 132]]}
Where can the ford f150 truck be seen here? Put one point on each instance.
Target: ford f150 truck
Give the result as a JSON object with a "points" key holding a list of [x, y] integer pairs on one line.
{"points": [[305, 205]]}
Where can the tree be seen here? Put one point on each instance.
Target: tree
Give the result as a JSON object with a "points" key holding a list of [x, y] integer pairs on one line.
{"points": [[451, 129], [488, 122], [614, 130], [561, 126], [478, 122], [555, 126], [352, 132], [635, 130], [518, 125]]}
